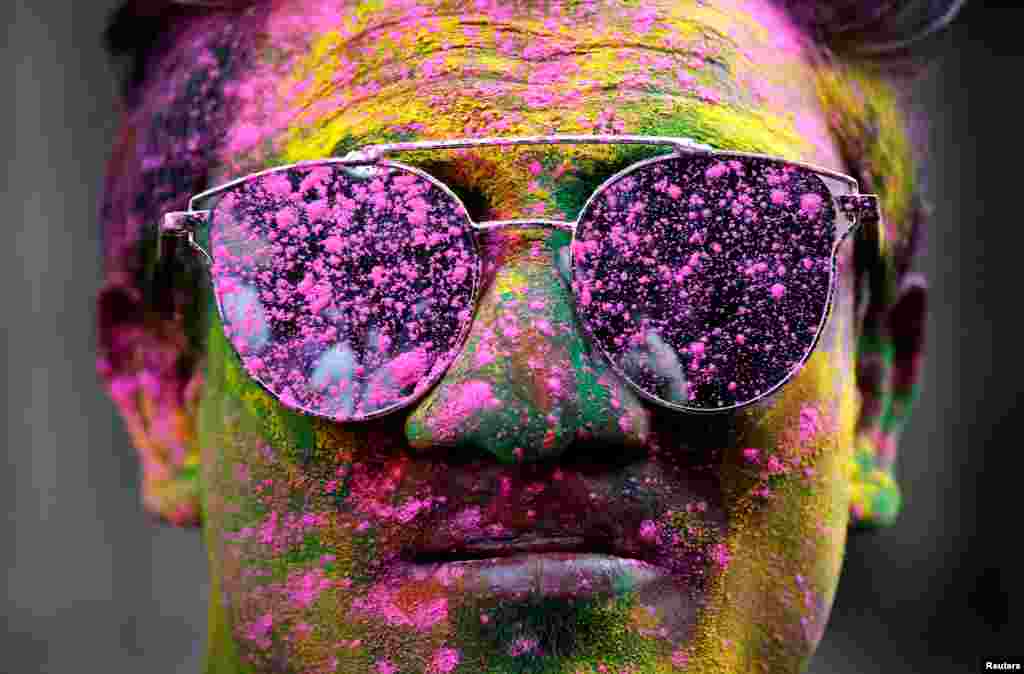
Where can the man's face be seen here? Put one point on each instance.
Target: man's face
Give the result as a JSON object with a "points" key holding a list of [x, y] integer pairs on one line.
{"points": [[331, 543]]}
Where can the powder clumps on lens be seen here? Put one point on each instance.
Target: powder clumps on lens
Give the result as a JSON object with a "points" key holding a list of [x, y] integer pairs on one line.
{"points": [[734, 293], [338, 309]]}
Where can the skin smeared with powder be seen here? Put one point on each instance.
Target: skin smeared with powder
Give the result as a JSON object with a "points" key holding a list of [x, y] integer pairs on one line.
{"points": [[730, 528]]}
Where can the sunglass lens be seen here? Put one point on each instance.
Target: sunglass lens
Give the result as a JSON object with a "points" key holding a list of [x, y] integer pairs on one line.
{"points": [[345, 291], [705, 281]]}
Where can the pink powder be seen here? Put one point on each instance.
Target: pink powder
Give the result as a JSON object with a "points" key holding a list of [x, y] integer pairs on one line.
{"points": [[409, 368], [484, 355], [278, 184], [305, 588], [431, 614], [407, 511], [334, 243], [258, 631], [522, 645], [286, 217], [377, 274], [720, 554], [444, 661], [472, 397], [810, 204], [777, 290], [808, 422], [384, 666], [468, 519], [716, 170]]}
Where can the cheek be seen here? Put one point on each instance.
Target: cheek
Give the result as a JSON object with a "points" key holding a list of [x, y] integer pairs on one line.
{"points": [[787, 491], [301, 517]]}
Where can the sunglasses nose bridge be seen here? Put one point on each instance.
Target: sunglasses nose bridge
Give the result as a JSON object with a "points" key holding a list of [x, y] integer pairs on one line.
{"points": [[495, 225]]}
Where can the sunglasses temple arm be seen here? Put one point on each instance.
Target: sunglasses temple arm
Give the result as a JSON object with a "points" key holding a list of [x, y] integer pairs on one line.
{"points": [[182, 225], [862, 209]]}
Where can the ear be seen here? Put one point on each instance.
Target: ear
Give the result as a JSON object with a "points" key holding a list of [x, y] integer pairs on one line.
{"points": [[144, 361], [889, 357]]}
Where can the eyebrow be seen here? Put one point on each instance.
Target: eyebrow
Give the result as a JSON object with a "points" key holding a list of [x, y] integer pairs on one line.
{"points": [[587, 175]]}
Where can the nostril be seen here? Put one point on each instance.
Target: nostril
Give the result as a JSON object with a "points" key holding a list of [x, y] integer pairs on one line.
{"points": [[597, 455]]}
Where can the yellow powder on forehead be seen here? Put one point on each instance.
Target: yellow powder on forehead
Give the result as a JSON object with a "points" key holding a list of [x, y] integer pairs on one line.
{"points": [[380, 53]]}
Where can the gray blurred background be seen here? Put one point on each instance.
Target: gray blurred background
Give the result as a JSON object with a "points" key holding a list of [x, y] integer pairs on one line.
{"points": [[93, 585]]}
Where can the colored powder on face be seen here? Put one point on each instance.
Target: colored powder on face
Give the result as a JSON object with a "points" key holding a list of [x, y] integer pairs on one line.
{"points": [[484, 355], [720, 555], [444, 661], [809, 422], [418, 215]]}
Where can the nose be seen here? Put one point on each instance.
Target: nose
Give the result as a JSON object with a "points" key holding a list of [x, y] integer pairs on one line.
{"points": [[526, 383]]}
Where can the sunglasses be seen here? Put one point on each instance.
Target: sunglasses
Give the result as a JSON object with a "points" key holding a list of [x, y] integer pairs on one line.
{"points": [[347, 286]]}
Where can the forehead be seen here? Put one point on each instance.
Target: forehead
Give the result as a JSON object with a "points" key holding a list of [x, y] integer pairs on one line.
{"points": [[327, 75]]}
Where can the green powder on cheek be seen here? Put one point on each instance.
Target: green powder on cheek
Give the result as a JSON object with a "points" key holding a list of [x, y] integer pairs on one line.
{"points": [[553, 636]]}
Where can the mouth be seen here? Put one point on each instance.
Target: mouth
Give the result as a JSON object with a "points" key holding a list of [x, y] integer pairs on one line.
{"points": [[536, 565], [514, 537], [498, 547], [553, 575]]}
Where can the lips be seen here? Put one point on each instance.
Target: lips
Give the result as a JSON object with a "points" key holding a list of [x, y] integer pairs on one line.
{"points": [[571, 536], [557, 574], [503, 530], [494, 512], [488, 547]]}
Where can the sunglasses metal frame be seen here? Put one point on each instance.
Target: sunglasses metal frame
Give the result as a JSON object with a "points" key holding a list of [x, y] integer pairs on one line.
{"points": [[859, 209]]}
